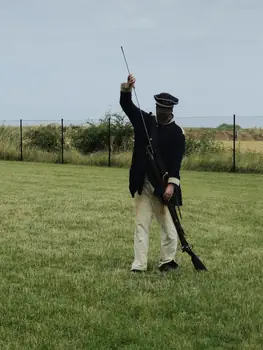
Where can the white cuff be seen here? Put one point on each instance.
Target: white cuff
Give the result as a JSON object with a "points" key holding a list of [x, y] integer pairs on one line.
{"points": [[174, 180], [125, 87]]}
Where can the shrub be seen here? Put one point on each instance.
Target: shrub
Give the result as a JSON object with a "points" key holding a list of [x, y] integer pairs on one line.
{"points": [[95, 137], [205, 143], [44, 137], [88, 144], [228, 127], [122, 132], [91, 138]]}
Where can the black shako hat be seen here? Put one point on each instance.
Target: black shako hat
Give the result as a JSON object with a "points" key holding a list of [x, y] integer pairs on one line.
{"points": [[166, 100]]}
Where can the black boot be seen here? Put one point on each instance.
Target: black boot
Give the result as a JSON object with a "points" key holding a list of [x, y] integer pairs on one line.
{"points": [[171, 265]]}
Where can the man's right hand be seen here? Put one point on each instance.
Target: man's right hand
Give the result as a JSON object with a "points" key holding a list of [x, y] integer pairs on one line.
{"points": [[131, 80]]}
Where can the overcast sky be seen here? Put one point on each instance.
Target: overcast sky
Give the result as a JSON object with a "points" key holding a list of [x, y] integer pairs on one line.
{"points": [[63, 58]]}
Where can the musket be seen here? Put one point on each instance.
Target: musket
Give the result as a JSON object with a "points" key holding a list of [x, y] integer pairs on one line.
{"points": [[160, 177]]}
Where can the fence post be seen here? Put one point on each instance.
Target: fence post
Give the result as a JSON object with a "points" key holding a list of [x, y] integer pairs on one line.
{"points": [[234, 143], [62, 141], [109, 144], [21, 140]]}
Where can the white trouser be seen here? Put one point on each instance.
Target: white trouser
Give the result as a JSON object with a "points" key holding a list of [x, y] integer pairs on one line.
{"points": [[147, 205]]}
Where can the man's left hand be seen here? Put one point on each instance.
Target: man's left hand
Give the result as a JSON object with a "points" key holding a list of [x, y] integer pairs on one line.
{"points": [[169, 191]]}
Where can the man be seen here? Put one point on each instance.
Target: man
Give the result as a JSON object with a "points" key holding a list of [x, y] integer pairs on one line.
{"points": [[169, 141]]}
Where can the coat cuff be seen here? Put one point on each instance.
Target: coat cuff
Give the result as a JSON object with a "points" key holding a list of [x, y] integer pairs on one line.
{"points": [[174, 180], [125, 87]]}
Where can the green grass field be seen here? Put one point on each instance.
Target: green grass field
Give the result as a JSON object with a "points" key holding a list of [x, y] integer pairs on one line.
{"points": [[66, 249]]}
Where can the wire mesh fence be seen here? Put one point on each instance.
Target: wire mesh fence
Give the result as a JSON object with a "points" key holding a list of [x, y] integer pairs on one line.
{"points": [[62, 141]]}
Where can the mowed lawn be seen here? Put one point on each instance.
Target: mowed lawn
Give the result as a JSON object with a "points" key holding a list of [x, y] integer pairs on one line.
{"points": [[66, 249]]}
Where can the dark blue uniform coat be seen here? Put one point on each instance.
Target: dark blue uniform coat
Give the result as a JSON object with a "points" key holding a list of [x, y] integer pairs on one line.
{"points": [[168, 141]]}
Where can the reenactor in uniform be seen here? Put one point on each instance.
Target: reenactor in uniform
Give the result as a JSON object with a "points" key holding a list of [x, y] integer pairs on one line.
{"points": [[169, 141]]}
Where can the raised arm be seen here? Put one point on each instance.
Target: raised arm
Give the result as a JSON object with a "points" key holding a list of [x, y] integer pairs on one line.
{"points": [[129, 108]]}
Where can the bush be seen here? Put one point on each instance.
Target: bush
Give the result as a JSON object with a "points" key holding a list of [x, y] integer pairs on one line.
{"points": [[88, 144], [228, 127], [122, 132], [205, 143], [44, 137], [92, 138], [95, 138]]}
